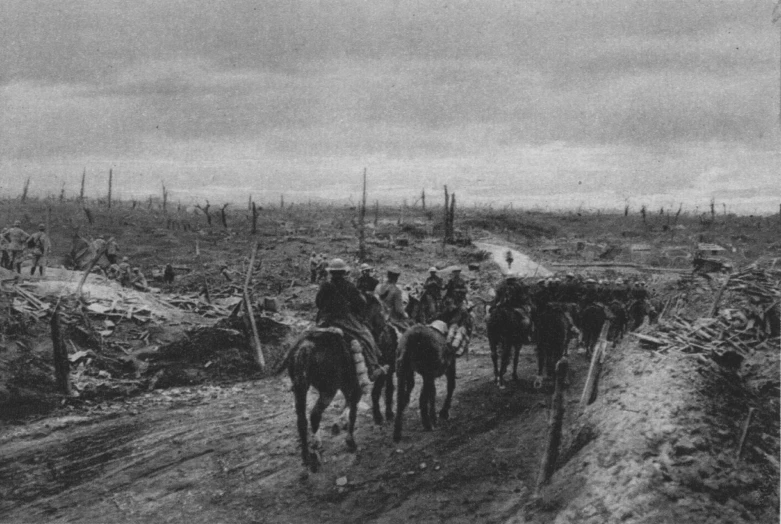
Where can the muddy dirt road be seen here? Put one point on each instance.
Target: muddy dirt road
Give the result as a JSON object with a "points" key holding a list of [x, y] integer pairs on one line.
{"points": [[230, 454]]}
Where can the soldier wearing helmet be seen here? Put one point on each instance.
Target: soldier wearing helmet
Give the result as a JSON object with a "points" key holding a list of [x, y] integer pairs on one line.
{"points": [[16, 238], [340, 304], [390, 295], [433, 285], [366, 283], [455, 289], [40, 246]]}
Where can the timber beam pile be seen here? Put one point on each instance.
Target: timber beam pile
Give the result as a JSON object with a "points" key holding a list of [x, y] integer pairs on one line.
{"points": [[746, 322]]}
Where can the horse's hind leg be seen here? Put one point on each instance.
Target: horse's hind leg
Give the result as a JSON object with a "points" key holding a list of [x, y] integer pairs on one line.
{"points": [[495, 359], [516, 353], [389, 396], [425, 401], [451, 386], [323, 401], [405, 384], [506, 348], [353, 403], [376, 393], [303, 429]]}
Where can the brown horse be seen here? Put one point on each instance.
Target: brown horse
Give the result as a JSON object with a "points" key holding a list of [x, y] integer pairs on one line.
{"points": [[424, 350], [509, 328], [322, 359], [422, 310], [553, 329]]}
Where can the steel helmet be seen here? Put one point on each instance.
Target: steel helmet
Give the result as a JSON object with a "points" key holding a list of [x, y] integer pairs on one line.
{"points": [[432, 269], [394, 271], [337, 264], [440, 326], [365, 267]]}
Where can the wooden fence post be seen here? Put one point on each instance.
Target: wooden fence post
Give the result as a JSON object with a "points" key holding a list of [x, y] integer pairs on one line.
{"points": [[555, 423], [589, 392], [61, 362]]}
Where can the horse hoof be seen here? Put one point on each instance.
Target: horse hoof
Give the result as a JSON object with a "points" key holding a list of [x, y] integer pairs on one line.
{"points": [[502, 386], [351, 446]]}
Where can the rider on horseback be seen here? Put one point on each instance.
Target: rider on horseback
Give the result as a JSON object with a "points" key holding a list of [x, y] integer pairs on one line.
{"points": [[341, 305], [433, 285], [366, 283], [456, 314], [391, 298]]}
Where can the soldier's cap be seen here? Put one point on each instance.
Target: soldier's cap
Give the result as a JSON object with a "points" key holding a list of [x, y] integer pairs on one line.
{"points": [[135, 270], [590, 281], [432, 269], [394, 271], [17, 223], [619, 281], [365, 267], [337, 265], [41, 227], [570, 275], [124, 259], [456, 270]]}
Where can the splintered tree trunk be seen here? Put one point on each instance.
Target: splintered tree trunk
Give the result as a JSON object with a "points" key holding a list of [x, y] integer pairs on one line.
{"points": [[61, 362], [110, 181], [25, 189], [254, 218], [223, 218], [447, 219], [423, 199], [165, 199], [362, 223], [83, 180], [376, 212], [452, 219]]}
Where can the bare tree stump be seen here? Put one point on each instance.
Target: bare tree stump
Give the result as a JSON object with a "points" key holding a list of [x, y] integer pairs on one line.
{"points": [[61, 362]]}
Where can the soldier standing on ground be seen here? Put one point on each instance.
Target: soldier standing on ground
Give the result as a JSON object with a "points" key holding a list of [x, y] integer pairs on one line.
{"points": [[5, 259], [40, 246], [341, 305], [16, 238]]}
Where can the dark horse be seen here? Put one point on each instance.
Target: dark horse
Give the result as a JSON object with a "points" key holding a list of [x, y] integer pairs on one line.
{"points": [[552, 328], [509, 328], [424, 350], [591, 321], [423, 309], [322, 359], [387, 340]]}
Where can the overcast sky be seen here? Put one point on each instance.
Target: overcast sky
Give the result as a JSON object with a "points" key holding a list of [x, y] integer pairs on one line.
{"points": [[545, 103]]}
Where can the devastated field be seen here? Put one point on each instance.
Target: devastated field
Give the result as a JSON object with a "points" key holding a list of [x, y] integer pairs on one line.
{"points": [[171, 420]]}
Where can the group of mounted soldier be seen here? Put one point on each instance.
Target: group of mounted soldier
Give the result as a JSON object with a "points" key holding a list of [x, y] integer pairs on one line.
{"points": [[342, 304]]}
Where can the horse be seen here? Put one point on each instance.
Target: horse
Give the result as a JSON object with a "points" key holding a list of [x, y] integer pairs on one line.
{"points": [[424, 350], [423, 309], [639, 310], [322, 359], [592, 319], [618, 323], [553, 328], [387, 339], [509, 328]]}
